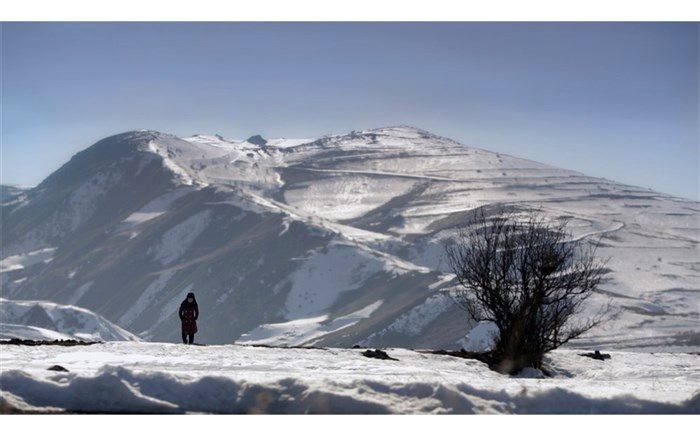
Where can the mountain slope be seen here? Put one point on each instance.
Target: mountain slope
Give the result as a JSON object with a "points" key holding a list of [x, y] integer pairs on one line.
{"points": [[334, 241], [38, 320]]}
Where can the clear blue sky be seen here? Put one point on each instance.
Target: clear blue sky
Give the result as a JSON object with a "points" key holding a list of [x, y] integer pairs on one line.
{"points": [[616, 100]]}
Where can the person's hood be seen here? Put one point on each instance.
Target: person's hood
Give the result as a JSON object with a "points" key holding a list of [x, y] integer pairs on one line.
{"points": [[194, 300]]}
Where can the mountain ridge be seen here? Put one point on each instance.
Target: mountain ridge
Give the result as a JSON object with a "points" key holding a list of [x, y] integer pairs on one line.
{"points": [[329, 241]]}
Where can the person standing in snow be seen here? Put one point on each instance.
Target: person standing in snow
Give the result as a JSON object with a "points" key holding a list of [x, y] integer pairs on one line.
{"points": [[189, 312]]}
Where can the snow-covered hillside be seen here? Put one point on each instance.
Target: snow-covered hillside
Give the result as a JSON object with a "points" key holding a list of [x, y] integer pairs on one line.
{"points": [[10, 194], [36, 320], [167, 378], [330, 241]]}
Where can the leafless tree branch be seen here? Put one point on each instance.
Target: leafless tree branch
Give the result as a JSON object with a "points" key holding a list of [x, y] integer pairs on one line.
{"points": [[529, 277]]}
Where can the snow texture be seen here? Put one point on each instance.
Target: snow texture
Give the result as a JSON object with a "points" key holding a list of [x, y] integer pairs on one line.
{"points": [[324, 276], [481, 337], [304, 331], [177, 240], [153, 209], [413, 322], [124, 377], [18, 262]]}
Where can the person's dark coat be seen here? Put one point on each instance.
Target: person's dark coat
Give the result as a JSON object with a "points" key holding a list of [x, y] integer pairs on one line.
{"points": [[189, 312]]}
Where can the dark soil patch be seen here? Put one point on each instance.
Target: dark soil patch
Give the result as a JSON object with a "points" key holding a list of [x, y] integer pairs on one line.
{"points": [[19, 342], [484, 357], [57, 368], [378, 354], [269, 346], [596, 356]]}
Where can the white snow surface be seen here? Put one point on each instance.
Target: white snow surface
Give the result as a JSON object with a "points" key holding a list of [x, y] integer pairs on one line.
{"points": [[123, 377], [40, 320], [414, 321], [305, 331], [325, 276], [481, 337], [153, 209], [20, 261], [26, 332], [346, 197]]}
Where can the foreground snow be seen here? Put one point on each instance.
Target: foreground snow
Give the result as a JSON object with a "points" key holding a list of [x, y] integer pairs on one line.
{"points": [[170, 378]]}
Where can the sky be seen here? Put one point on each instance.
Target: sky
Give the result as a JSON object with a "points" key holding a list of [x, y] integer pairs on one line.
{"points": [[613, 100]]}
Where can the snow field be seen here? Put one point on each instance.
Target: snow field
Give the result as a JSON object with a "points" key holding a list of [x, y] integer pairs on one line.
{"points": [[169, 378]]}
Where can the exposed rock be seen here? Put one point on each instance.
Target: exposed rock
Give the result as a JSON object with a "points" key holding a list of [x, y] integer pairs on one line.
{"points": [[257, 140], [596, 356], [378, 354], [484, 357], [57, 368]]}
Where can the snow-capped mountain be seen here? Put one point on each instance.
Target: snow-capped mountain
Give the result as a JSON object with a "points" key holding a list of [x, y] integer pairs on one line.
{"points": [[330, 241], [38, 320]]}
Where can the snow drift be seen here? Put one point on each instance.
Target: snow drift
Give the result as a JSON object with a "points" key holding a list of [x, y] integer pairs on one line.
{"points": [[166, 378]]}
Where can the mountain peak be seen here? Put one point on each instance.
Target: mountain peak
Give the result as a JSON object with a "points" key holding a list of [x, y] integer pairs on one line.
{"points": [[257, 140], [129, 140], [140, 134], [401, 129]]}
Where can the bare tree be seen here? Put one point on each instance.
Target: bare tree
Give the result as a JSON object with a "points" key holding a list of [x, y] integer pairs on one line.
{"points": [[527, 276]]}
